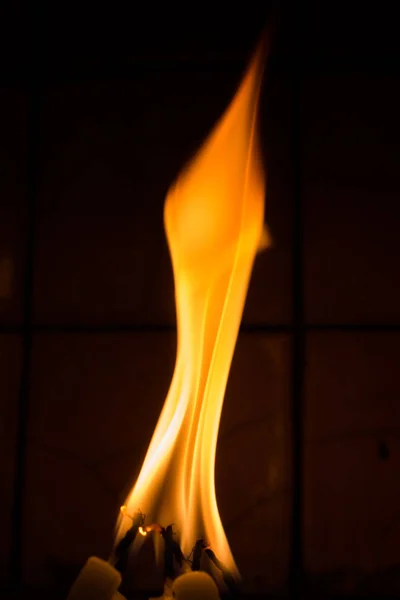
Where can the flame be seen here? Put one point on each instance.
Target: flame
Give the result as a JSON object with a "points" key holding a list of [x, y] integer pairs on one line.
{"points": [[214, 223]]}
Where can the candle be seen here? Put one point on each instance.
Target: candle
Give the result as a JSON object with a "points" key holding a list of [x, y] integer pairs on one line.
{"points": [[122, 550], [195, 585], [98, 580]]}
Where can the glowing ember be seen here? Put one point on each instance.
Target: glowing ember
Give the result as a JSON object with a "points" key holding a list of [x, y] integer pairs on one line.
{"points": [[214, 223]]}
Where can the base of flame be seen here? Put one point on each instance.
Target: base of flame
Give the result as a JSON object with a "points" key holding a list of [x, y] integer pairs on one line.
{"points": [[174, 562]]}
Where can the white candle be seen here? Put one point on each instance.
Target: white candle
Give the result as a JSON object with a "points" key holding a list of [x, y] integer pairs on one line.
{"points": [[195, 585], [98, 580]]}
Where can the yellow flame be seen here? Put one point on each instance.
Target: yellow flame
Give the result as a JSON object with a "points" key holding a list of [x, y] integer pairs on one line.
{"points": [[214, 222]]}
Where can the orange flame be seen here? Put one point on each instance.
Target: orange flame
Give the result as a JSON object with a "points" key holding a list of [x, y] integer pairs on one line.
{"points": [[214, 222]]}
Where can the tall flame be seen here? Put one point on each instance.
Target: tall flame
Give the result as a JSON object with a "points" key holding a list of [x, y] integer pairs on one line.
{"points": [[214, 223]]}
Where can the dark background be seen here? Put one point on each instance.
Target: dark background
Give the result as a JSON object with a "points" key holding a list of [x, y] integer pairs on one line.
{"points": [[98, 113]]}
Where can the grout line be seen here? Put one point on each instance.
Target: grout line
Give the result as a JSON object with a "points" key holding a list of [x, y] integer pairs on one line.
{"points": [[109, 328], [27, 331], [296, 564]]}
